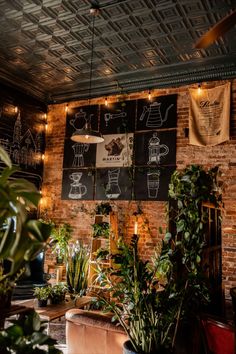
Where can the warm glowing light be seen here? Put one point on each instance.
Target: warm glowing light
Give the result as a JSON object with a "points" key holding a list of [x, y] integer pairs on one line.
{"points": [[136, 228], [45, 116], [149, 95], [86, 136], [66, 109], [199, 90], [46, 126], [43, 157], [106, 102], [16, 109]]}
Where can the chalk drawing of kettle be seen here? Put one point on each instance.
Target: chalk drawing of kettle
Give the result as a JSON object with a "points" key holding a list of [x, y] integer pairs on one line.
{"points": [[80, 117], [154, 116]]}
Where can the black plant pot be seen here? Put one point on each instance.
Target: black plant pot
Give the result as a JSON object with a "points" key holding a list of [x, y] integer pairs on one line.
{"points": [[42, 303], [127, 349]]}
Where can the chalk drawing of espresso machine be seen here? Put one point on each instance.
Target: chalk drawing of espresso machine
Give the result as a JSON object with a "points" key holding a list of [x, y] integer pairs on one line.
{"points": [[156, 150], [154, 115], [79, 150], [111, 116]]}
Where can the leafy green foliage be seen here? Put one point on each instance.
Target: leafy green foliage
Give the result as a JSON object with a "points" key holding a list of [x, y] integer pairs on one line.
{"points": [[60, 237], [42, 292], [27, 335], [150, 298], [101, 229], [20, 238], [103, 209]]}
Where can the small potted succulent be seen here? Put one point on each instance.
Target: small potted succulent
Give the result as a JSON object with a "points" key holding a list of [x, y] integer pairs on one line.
{"points": [[58, 293], [42, 293]]}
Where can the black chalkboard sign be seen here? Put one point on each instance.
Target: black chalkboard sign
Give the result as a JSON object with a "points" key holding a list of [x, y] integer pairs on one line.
{"points": [[155, 148], [22, 135], [118, 117], [159, 113], [77, 155], [113, 183], [78, 116], [77, 184], [152, 183]]}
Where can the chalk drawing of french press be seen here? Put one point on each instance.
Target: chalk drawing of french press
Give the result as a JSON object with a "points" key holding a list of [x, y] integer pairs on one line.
{"points": [[154, 115], [156, 150], [112, 188]]}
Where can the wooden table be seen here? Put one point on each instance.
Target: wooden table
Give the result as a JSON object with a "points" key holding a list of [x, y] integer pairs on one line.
{"points": [[53, 312]]}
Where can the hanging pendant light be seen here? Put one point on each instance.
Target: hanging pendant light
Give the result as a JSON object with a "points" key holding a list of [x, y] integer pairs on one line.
{"points": [[86, 134]]}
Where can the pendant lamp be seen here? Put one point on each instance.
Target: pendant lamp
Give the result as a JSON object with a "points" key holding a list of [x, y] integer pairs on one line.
{"points": [[86, 134]]}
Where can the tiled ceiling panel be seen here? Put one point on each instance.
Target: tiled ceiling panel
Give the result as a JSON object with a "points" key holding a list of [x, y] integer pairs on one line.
{"points": [[45, 45]]}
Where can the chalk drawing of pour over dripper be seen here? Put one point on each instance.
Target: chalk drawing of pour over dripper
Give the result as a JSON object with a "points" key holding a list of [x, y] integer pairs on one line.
{"points": [[77, 189], [154, 116], [113, 189], [110, 116], [156, 150]]}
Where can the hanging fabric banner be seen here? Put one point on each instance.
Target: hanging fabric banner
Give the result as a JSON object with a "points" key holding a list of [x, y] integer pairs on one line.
{"points": [[209, 115]]}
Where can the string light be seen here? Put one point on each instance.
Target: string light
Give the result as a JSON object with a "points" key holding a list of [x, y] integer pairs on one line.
{"points": [[106, 102], [199, 90], [16, 109], [66, 108], [149, 95], [43, 157]]}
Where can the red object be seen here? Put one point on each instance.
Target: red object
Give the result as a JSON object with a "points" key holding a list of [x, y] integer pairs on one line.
{"points": [[219, 337]]}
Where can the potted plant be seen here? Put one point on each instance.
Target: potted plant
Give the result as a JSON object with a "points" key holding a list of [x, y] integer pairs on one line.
{"points": [[42, 293], [103, 209], [58, 293], [151, 299], [101, 229], [27, 335], [77, 265], [60, 237], [21, 239]]}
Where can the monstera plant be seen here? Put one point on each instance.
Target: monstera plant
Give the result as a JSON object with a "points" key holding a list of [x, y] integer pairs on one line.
{"points": [[21, 238]]}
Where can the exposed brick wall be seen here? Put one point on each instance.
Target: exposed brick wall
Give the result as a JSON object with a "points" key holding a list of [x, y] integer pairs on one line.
{"points": [[79, 213]]}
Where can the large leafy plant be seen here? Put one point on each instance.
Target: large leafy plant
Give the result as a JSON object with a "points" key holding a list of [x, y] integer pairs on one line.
{"points": [[150, 298], [21, 238], [27, 335]]}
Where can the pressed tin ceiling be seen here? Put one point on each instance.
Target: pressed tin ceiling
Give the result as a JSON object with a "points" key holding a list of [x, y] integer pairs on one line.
{"points": [[45, 46]]}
